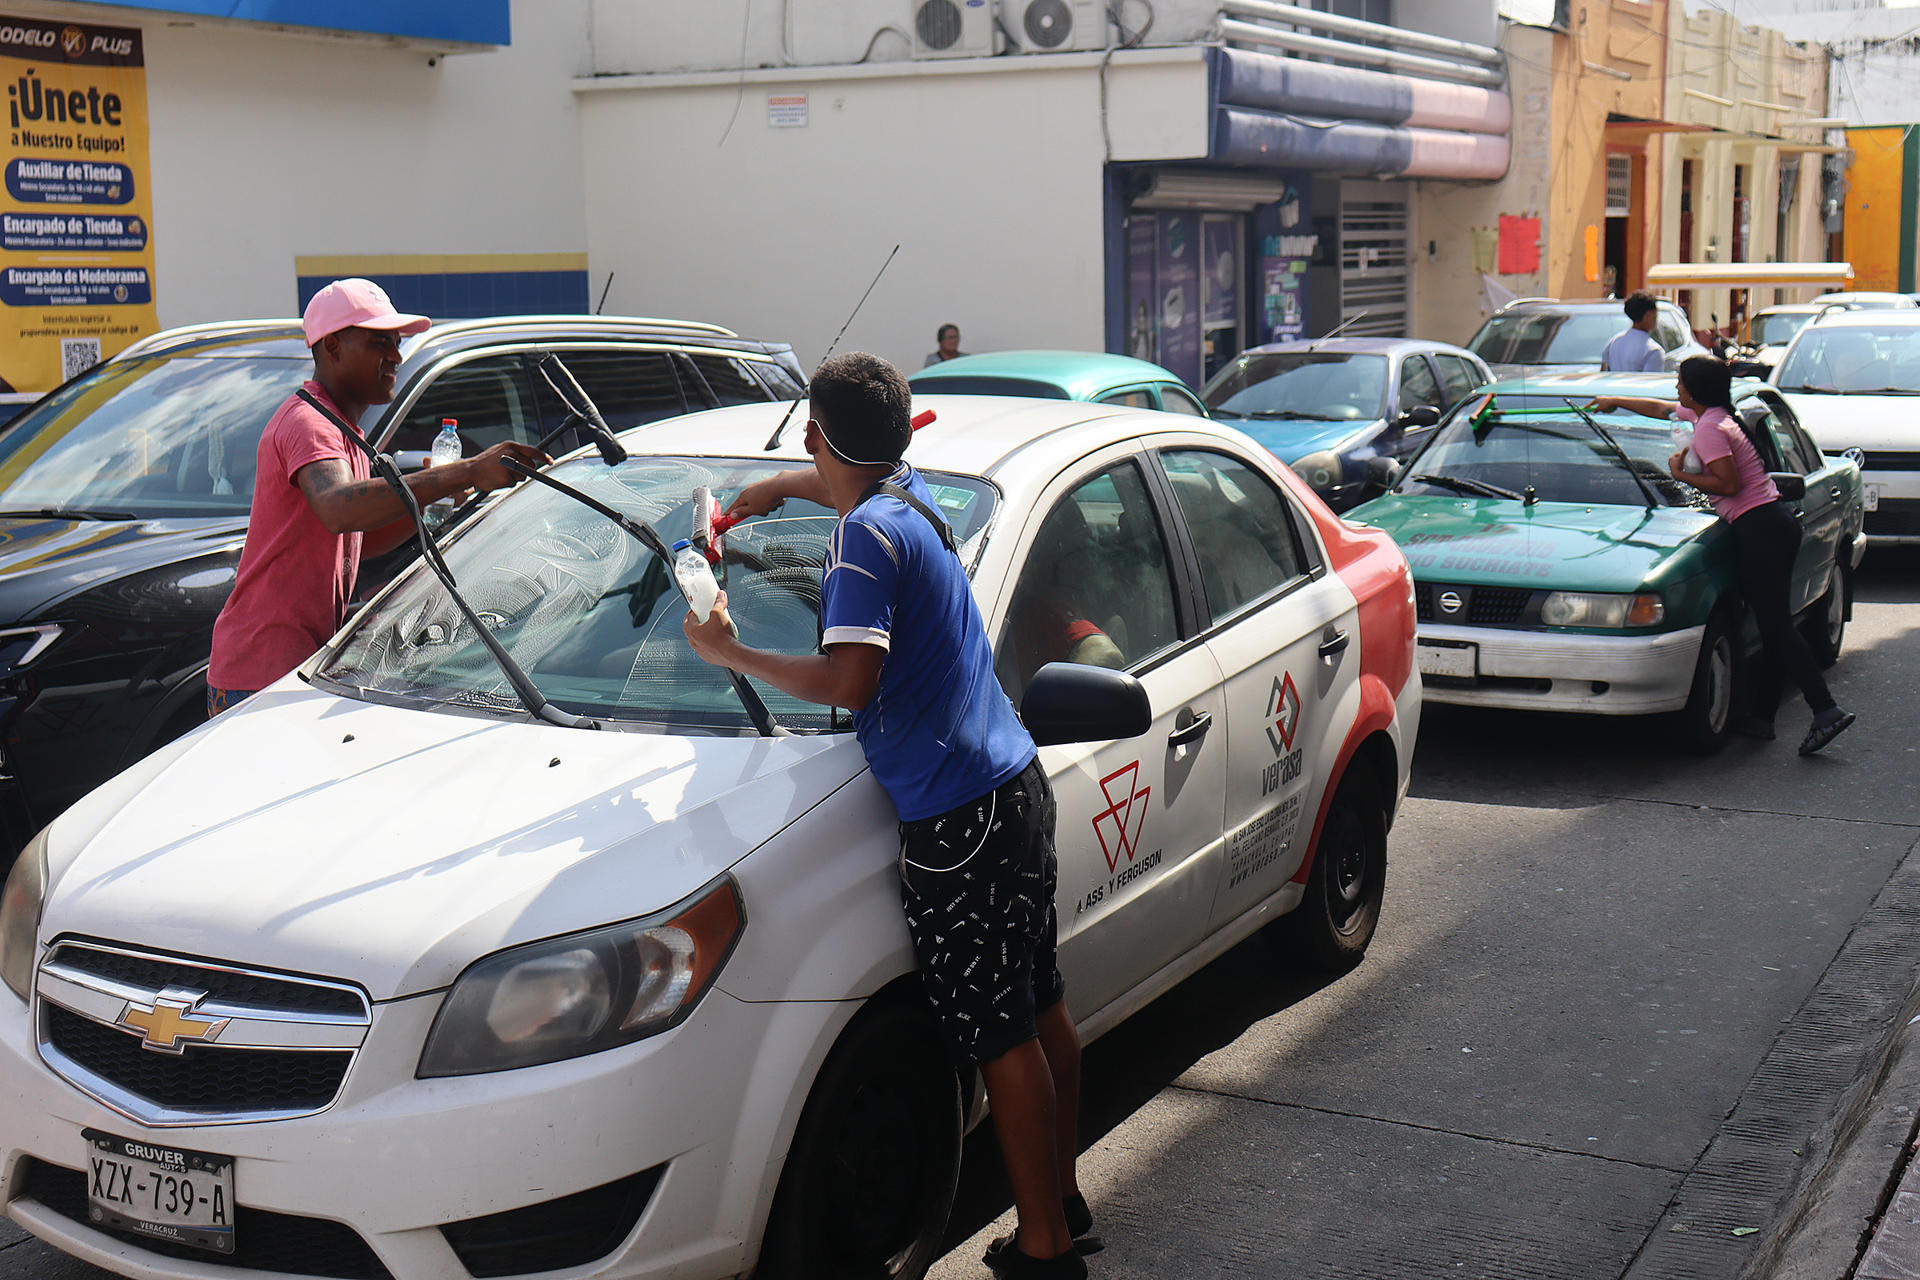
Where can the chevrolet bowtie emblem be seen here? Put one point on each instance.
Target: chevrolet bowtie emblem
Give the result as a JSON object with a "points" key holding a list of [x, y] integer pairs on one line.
{"points": [[169, 1021]]}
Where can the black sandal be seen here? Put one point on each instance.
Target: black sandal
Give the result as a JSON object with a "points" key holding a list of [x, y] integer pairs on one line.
{"points": [[1007, 1262], [1824, 732]]}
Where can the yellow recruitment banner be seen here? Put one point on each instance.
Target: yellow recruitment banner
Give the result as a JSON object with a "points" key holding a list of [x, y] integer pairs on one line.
{"points": [[76, 243]]}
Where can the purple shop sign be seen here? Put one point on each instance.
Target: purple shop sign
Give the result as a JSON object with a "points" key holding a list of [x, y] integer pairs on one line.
{"points": [[1179, 296]]}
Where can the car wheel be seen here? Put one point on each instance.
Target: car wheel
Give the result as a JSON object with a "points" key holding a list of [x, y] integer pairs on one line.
{"points": [[1703, 722], [1826, 624], [1330, 929], [870, 1178]]}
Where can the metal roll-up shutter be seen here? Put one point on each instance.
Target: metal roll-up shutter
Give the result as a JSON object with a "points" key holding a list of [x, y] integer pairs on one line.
{"points": [[1374, 271]]}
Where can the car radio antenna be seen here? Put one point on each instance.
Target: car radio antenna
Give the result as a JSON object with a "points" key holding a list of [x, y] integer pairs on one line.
{"points": [[1336, 331], [773, 441]]}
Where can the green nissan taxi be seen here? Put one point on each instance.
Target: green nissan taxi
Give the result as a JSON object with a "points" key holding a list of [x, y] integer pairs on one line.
{"points": [[1559, 567]]}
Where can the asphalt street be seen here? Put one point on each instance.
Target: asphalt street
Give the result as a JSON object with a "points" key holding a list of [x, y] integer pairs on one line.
{"points": [[1619, 999]]}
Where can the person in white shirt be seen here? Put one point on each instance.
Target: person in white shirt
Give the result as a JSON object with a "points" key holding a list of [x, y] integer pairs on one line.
{"points": [[1635, 351]]}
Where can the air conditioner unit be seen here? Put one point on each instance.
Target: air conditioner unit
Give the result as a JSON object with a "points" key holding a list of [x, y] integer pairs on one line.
{"points": [[1055, 26], [952, 28]]}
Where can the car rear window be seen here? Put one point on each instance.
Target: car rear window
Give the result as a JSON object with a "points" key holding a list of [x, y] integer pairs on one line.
{"points": [[1547, 337], [984, 385]]}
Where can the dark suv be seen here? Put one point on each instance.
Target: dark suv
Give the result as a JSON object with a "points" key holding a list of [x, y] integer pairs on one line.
{"points": [[124, 498], [1551, 335]]}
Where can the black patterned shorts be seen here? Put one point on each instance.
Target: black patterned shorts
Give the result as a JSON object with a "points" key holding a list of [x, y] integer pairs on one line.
{"points": [[977, 883]]}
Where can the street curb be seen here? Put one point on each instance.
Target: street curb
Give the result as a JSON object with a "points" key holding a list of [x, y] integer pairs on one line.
{"points": [[1860, 1157]]}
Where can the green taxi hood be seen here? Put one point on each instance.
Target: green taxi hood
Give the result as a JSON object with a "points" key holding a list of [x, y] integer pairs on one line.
{"points": [[1559, 545]]}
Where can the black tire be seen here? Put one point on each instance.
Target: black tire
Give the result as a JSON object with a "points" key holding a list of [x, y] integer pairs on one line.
{"points": [[1331, 928], [1713, 698], [1825, 625], [870, 1178]]}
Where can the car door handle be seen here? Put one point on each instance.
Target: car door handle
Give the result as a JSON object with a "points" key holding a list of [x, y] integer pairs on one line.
{"points": [[1333, 644], [1834, 493], [1194, 730]]}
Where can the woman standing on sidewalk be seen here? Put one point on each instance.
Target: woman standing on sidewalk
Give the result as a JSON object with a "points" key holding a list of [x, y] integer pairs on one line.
{"points": [[1766, 538]]}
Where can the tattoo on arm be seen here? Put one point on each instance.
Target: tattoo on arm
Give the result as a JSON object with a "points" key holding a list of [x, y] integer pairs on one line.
{"points": [[318, 479]]}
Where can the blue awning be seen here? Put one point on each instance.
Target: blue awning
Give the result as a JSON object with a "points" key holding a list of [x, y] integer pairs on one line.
{"points": [[455, 21]]}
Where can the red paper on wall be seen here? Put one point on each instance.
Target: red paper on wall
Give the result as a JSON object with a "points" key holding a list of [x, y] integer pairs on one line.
{"points": [[1519, 245]]}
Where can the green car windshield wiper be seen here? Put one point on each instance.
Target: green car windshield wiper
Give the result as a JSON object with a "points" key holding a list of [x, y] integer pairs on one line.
{"points": [[1460, 484], [71, 513], [1288, 415]]}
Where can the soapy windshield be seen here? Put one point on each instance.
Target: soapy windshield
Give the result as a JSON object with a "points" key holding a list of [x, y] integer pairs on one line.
{"points": [[1533, 443], [594, 617]]}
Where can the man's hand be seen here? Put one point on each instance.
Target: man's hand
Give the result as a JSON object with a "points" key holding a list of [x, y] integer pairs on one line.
{"points": [[711, 640], [487, 471], [762, 497], [1604, 404]]}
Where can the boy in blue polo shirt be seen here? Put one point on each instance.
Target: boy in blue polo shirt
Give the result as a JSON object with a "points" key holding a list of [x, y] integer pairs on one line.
{"points": [[905, 649]]}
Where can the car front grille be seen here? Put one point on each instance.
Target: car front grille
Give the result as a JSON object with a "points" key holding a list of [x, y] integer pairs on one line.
{"points": [[200, 1077], [1878, 461], [263, 1241], [1896, 518], [1482, 606], [170, 1041]]}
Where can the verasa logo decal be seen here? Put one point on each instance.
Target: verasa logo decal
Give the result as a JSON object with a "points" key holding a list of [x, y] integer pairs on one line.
{"points": [[73, 42], [1283, 709], [1126, 813]]}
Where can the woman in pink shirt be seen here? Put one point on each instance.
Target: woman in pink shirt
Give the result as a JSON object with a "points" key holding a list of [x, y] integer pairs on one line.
{"points": [[1766, 538]]}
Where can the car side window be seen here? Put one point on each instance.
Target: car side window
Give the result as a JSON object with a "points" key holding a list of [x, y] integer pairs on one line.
{"points": [[1766, 431], [1177, 400], [729, 379], [630, 388], [489, 398], [1669, 332], [1134, 398], [1457, 378], [1247, 544], [1097, 586], [1417, 384]]}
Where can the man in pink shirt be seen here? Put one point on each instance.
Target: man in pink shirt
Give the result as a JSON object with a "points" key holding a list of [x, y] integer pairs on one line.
{"points": [[316, 510]]}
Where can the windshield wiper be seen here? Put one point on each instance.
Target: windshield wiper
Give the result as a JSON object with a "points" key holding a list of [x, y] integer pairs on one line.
{"points": [[1646, 490], [1883, 391], [522, 684], [1460, 484], [650, 538], [71, 513], [1288, 415], [1812, 391]]}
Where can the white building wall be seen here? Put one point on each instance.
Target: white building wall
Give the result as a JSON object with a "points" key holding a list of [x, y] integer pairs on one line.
{"points": [[267, 145], [988, 173]]}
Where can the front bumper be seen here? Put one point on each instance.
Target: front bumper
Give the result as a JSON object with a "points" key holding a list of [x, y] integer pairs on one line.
{"points": [[1895, 516], [702, 1110], [1549, 671]]}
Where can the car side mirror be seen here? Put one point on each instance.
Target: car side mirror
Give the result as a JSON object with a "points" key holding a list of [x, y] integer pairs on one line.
{"points": [[1382, 471], [1791, 484], [1068, 702], [1421, 415]]}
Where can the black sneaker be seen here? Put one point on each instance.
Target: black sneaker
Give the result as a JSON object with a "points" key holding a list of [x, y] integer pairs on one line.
{"points": [[1827, 726]]}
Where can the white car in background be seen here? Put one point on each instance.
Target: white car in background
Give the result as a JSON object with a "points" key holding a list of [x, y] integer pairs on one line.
{"points": [[1853, 380], [381, 974]]}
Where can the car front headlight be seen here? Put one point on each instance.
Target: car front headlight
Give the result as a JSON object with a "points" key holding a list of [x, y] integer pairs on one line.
{"points": [[1589, 609], [584, 992], [20, 905], [1321, 470]]}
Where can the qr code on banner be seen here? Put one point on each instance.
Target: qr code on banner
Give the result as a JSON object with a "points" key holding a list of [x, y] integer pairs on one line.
{"points": [[77, 355]]}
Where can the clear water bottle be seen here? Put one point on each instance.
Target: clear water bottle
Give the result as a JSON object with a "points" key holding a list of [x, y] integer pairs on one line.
{"points": [[446, 448], [695, 576], [1683, 442]]}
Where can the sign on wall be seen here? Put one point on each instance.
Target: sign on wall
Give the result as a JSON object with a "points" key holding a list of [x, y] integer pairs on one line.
{"points": [[76, 244], [1289, 243]]}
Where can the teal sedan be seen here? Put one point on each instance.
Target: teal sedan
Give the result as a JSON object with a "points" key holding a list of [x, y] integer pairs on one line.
{"points": [[1559, 567], [1061, 375]]}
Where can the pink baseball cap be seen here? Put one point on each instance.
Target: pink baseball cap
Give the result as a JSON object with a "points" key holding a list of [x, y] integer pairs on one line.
{"points": [[356, 304]]}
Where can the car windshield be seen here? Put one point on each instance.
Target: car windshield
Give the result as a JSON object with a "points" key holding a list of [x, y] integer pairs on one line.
{"points": [[157, 437], [1882, 358], [594, 617], [1548, 337], [1776, 329], [1332, 386], [1531, 442]]}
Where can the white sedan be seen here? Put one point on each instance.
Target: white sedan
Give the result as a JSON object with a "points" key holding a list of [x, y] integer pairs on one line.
{"points": [[1853, 380], [384, 973]]}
